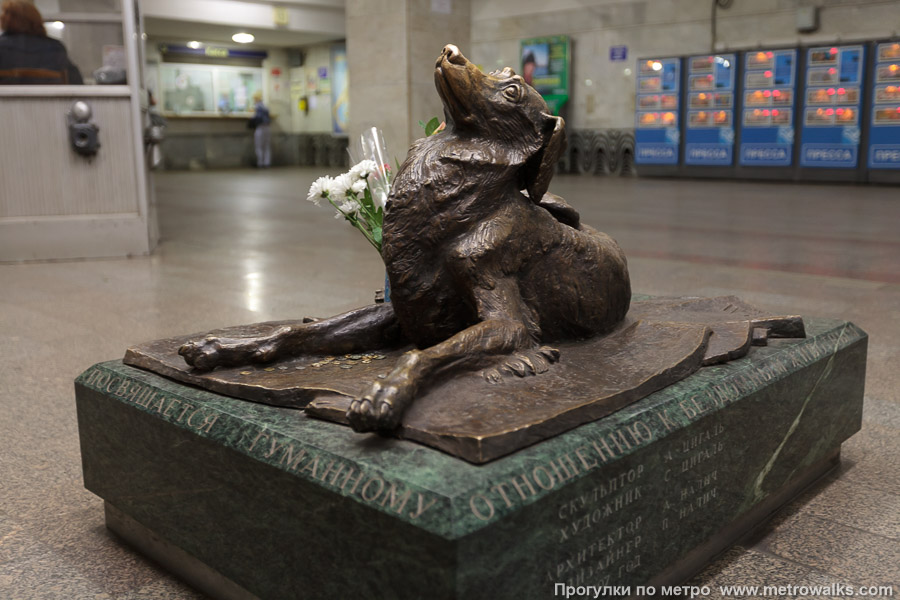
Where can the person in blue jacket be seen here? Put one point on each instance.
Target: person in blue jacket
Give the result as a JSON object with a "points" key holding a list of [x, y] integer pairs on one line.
{"points": [[262, 135], [27, 55]]}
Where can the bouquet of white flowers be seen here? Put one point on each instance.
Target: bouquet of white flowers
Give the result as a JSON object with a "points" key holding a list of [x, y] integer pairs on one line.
{"points": [[359, 196]]}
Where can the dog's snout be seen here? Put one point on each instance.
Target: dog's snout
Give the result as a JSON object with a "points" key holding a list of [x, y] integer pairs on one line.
{"points": [[452, 54]]}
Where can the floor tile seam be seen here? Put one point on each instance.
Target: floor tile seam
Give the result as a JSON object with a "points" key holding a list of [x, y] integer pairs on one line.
{"points": [[748, 233], [762, 548], [89, 507], [811, 510], [752, 265], [848, 476], [806, 513], [229, 194]]}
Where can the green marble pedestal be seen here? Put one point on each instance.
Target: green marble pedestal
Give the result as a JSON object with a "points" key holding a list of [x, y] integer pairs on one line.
{"points": [[246, 500]]}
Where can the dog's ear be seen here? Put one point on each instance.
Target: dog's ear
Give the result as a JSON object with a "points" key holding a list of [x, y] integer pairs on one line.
{"points": [[539, 170]]}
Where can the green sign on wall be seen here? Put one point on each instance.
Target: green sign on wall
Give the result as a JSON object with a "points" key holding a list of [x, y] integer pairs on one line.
{"points": [[546, 62]]}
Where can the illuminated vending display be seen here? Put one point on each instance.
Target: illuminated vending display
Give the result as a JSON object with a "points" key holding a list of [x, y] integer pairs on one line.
{"points": [[709, 135], [831, 107], [656, 135], [767, 115], [884, 135]]}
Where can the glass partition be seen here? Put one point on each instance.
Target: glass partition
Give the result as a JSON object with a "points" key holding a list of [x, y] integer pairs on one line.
{"points": [[207, 90]]}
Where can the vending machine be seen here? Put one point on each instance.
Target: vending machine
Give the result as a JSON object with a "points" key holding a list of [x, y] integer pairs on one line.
{"points": [[709, 126], [657, 116], [766, 133], [884, 118], [831, 130]]}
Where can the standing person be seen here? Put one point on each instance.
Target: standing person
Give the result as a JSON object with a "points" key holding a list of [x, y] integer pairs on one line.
{"points": [[224, 106], [27, 55], [262, 136]]}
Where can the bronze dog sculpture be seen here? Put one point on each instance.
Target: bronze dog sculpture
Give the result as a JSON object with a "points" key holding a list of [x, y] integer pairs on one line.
{"points": [[482, 274]]}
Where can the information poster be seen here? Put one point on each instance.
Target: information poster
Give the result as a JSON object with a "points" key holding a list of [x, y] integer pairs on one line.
{"points": [[884, 135], [340, 92], [546, 66], [709, 136], [831, 107], [767, 117], [656, 134]]}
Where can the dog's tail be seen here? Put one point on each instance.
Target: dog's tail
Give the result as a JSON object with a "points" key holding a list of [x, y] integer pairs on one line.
{"points": [[560, 210]]}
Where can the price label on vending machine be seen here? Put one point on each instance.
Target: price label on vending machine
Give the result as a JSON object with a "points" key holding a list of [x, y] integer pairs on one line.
{"points": [[709, 134], [656, 135], [884, 134], [767, 116], [831, 125]]}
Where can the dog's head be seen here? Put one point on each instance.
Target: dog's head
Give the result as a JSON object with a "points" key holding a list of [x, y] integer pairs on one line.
{"points": [[502, 108]]}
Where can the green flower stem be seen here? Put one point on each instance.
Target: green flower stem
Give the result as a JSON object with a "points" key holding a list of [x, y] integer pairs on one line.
{"points": [[355, 222]]}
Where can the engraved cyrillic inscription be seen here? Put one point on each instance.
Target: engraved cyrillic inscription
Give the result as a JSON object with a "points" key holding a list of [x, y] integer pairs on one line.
{"points": [[198, 418], [371, 488]]}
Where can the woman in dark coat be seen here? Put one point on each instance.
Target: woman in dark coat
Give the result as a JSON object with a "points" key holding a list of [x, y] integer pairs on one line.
{"points": [[27, 55]]}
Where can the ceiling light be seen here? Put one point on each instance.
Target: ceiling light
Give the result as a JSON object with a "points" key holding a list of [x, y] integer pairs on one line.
{"points": [[243, 38], [57, 25], [194, 45]]}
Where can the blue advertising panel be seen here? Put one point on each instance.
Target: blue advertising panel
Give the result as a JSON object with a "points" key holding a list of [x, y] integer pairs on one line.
{"points": [[831, 108], [709, 132], [884, 135], [767, 117], [656, 134]]}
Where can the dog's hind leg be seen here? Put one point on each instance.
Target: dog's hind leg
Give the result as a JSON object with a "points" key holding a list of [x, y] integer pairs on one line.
{"points": [[502, 332], [362, 329]]}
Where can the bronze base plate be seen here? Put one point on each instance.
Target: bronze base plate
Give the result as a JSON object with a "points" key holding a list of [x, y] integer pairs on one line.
{"points": [[662, 341]]}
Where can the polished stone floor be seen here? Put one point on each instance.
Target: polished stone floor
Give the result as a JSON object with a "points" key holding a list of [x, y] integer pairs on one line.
{"points": [[244, 246]]}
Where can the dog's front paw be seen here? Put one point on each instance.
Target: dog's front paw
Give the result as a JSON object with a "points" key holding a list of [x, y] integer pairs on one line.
{"points": [[382, 406], [211, 351], [523, 363]]}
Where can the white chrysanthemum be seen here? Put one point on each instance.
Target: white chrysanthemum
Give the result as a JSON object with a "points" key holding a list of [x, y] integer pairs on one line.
{"points": [[319, 189], [348, 207], [347, 180], [337, 188], [359, 186], [363, 169]]}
